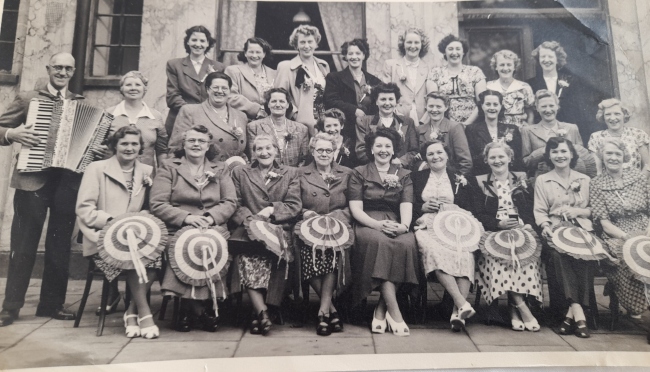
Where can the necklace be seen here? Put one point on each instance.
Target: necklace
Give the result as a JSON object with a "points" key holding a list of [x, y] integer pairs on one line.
{"points": [[128, 170]]}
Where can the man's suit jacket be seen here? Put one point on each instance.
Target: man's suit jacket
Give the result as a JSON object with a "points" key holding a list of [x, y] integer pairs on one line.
{"points": [[244, 96], [184, 86], [15, 116]]}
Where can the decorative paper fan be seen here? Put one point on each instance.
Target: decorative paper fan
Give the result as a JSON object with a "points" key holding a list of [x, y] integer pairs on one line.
{"points": [[636, 254], [197, 255], [519, 246], [271, 235], [325, 232], [457, 230], [578, 243], [132, 240]]}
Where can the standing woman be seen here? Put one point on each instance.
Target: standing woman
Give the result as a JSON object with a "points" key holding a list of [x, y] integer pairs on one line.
{"points": [[251, 79], [266, 189], [323, 186], [461, 83], [185, 75], [385, 255], [409, 73], [615, 116], [386, 96], [534, 137], [349, 90], [290, 137], [304, 77], [437, 126], [135, 112], [333, 123], [227, 126], [191, 189], [110, 188], [564, 193], [518, 98], [491, 127]]}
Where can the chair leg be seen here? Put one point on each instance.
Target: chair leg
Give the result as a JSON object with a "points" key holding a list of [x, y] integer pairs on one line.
{"points": [[593, 310], [177, 310], [127, 297], [163, 307], [84, 297], [305, 301], [613, 308], [424, 296], [102, 311]]}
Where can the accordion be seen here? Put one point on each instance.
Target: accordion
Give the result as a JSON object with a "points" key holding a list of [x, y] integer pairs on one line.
{"points": [[68, 130]]}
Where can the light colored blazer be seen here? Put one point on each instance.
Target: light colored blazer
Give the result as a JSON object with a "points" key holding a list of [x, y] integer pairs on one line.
{"points": [[103, 194], [302, 100], [184, 86], [413, 93], [553, 193], [534, 138], [244, 96], [295, 152], [176, 195], [224, 137], [454, 138]]}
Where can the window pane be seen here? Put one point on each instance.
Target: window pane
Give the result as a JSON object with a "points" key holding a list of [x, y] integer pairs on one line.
{"points": [[12, 4], [117, 31], [132, 28], [105, 6], [103, 29], [115, 60], [6, 56], [9, 25]]}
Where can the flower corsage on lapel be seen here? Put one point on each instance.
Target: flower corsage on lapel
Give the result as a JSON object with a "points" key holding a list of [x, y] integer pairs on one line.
{"points": [[437, 135], [329, 178], [146, 182], [562, 132], [270, 176], [519, 186], [210, 70], [209, 176], [507, 136], [366, 89], [562, 83], [575, 187], [391, 181], [237, 131], [460, 181]]}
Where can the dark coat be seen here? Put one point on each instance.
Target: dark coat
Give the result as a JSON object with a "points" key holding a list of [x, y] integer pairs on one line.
{"points": [[409, 138], [478, 136]]}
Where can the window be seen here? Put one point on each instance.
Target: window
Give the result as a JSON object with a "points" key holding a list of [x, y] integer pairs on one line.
{"points": [[116, 39], [8, 34]]}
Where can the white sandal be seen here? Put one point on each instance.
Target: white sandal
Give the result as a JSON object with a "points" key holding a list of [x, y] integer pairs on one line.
{"points": [[466, 311], [131, 331], [399, 329], [149, 332]]}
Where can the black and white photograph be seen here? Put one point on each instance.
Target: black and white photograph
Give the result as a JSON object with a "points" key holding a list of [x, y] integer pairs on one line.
{"points": [[212, 185]]}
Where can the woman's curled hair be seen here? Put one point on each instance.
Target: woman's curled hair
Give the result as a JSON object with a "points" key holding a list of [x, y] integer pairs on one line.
{"points": [[552, 144], [200, 128], [389, 133], [121, 133], [201, 29]]}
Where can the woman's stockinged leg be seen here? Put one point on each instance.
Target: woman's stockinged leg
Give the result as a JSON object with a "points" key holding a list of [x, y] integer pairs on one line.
{"points": [[388, 294], [139, 304], [257, 298], [453, 286], [325, 283]]}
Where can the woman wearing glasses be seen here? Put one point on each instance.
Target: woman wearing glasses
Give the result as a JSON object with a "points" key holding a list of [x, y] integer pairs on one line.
{"points": [[227, 125]]}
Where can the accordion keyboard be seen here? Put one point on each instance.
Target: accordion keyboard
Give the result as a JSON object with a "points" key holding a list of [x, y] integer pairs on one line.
{"points": [[39, 117]]}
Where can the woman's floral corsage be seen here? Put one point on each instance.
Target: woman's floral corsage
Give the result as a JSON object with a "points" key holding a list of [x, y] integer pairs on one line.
{"points": [[238, 132], [329, 178], [575, 187], [308, 83], [507, 136], [270, 176], [460, 181], [366, 90], [345, 150], [288, 137], [146, 182], [209, 176], [437, 135], [399, 130], [210, 70], [563, 84], [402, 78], [562, 132], [520, 184], [391, 181]]}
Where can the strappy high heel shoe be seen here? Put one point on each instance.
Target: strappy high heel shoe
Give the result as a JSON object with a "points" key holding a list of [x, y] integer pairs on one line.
{"points": [[466, 311], [582, 330], [532, 325], [399, 329], [131, 331], [378, 326], [323, 328], [336, 325], [150, 332], [457, 324], [265, 322], [567, 326]]}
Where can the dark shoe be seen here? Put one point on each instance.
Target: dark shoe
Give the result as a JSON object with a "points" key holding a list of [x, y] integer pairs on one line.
{"points": [[582, 330], [323, 327], [111, 308], [7, 317], [58, 314], [567, 327], [208, 322], [336, 325], [183, 324], [255, 326], [265, 322]]}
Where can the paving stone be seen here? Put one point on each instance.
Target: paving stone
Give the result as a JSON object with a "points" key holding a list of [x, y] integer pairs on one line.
{"points": [[168, 334], [424, 341], [609, 342], [15, 332], [144, 352], [275, 345], [501, 336], [309, 330]]}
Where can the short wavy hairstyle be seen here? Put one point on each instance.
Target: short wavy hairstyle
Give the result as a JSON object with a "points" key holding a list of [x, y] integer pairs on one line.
{"points": [[552, 144], [389, 133], [498, 145], [619, 145], [217, 75], [330, 113], [265, 137], [442, 45], [424, 40], [609, 103], [266, 47], [136, 75], [489, 92], [202, 29], [556, 47], [507, 54], [385, 88], [425, 147], [545, 93], [362, 44], [437, 95], [267, 98], [305, 30], [321, 136], [121, 133], [212, 149]]}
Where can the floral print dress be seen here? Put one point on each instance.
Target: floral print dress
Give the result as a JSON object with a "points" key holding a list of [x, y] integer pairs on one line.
{"points": [[516, 99], [459, 89]]}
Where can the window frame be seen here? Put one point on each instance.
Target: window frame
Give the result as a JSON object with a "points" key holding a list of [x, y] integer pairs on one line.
{"points": [[8, 77]]}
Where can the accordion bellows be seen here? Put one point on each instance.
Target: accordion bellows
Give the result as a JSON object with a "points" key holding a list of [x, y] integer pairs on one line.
{"points": [[68, 130]]}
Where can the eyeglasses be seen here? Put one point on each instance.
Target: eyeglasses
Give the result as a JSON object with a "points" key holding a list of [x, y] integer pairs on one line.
{"points": [[196, 140], [68, 69], [327, 151]]}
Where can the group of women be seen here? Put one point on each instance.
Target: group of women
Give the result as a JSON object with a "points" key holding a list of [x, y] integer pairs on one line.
{"points": [[386, 156]]}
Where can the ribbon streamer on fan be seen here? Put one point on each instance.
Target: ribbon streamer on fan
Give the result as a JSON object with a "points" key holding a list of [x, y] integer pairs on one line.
{"points": [[518, 246], [456, 229], [578, 243], [636, 254], [135, 256], [272, 236]]}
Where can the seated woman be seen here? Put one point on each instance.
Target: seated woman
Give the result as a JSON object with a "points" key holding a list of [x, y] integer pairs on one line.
{"points": [[108, 189], [193, 189], [433, 188], [323, 186], [333, 123], [385, 255], [498, 196], [620, 202], [266, 189], [290, 137], [564, 193], [436, 126], [386, 96], [490, 127]]}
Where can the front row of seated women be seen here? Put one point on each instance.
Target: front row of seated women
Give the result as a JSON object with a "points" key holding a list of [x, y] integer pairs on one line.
{"points": [[384, 203]]}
